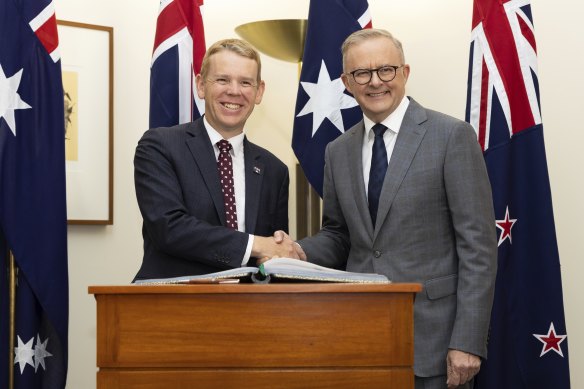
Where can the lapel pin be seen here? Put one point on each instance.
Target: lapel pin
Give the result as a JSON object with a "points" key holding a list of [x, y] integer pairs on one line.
{"points": [[257, 170]]}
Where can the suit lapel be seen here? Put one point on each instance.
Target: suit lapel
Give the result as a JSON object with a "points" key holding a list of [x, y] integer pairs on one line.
{"points": [[355, 160], [202, 151], [407, 143], [254, 174]]}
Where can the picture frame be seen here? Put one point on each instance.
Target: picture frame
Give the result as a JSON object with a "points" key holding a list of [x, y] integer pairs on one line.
{"points": [[87, 59]]}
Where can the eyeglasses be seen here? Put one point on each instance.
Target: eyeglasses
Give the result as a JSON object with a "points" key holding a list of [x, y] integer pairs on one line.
{"points": [[385, 73], [224, 81]]}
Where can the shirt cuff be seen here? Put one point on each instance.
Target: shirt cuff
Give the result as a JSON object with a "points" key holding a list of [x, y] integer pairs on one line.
{"points": [[247, 251]]}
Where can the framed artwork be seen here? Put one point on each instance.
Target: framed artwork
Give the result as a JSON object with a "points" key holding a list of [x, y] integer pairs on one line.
{"points": [[87, 65]]}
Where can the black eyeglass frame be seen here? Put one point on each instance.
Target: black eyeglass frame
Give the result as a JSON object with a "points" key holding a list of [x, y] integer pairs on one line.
{"points": [[370, 71]]}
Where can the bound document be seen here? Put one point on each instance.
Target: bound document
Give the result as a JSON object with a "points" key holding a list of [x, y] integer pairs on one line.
{"points": [[277, 269]]}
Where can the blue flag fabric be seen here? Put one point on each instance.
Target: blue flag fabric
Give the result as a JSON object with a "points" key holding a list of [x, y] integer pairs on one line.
{"points": [[528, 347], [33, 219], [179, 47], [324, 110]]}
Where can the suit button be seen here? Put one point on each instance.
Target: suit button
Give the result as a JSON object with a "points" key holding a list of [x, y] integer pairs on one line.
{"points": [[377, 253]]}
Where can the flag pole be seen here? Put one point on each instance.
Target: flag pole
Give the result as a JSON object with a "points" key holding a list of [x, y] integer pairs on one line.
{"points": [[12, 318]]}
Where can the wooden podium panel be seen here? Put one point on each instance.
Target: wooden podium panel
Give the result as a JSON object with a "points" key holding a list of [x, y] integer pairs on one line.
{"points": [[255, 336]]}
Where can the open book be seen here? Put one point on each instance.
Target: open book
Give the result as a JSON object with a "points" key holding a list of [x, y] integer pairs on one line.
{"points": [[277, 269]]}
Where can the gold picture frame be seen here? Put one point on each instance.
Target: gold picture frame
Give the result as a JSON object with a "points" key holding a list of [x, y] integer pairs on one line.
{"points": [[87, 59]]}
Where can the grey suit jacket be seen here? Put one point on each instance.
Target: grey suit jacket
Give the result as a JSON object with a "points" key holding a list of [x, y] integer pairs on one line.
{"points": [[180, 198], [435, 226]]}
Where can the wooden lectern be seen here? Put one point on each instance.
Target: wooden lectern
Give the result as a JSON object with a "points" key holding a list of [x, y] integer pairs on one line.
{"points": [[298, 335]]}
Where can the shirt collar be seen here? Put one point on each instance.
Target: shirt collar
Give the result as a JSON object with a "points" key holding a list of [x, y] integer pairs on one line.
{"points": [[236, 141], [393, 121]]}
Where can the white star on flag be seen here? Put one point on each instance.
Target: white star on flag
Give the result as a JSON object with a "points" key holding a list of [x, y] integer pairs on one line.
{"points": [[23, 354], [10, 99], [326, 100], [40, 353]]}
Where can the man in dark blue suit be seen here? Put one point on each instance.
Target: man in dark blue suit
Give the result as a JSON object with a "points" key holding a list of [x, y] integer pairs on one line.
{"points": [[185, 177]]}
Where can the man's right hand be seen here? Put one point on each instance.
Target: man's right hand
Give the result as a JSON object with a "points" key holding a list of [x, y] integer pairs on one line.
{"points": [[275, 247], [283, 238]]}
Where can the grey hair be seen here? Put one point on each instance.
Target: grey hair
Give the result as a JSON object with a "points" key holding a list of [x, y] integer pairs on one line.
{"points": [[370, 33]]}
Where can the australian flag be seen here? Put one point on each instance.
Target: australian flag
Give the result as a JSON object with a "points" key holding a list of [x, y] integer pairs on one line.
{"points": [[324, 110], [528, 347], [33, 219], [179, 47]]}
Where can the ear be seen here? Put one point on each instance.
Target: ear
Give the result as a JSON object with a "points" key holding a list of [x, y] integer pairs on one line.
{"points": [[200, 86], [260, 93], [406, 72], [346, 82]]}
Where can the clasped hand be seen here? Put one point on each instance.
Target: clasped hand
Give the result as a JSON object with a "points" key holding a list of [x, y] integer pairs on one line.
{"points": [[280, 245]]}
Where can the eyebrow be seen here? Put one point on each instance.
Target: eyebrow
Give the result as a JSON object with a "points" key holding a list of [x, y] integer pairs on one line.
{"points": [[230, 76]]}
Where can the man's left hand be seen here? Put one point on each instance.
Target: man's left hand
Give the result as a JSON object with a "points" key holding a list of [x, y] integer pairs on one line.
{"points": [[461, 367]]}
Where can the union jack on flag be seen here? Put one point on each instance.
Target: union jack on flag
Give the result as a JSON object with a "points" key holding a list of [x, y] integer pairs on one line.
{"points": [[528, 346], [179, 47], [504, 70]]}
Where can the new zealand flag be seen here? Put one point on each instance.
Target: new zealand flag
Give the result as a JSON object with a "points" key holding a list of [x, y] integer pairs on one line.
{"points": [[324, 110], [33, 219], [179, 47], [528, 346]]}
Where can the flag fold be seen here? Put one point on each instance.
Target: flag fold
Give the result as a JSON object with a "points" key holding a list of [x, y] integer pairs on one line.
{"points": [[324, 110], [33, 219]]}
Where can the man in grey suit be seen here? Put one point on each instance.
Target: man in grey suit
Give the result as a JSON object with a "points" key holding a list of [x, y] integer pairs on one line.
{"points": [[185, 177], [406, 194]]}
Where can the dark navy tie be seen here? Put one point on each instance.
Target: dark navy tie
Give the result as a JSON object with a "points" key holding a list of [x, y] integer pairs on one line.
{"points": [[377, 172]]}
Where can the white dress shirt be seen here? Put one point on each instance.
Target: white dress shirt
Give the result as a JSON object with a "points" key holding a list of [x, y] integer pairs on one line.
{"points": [[238, 161], [393, 123]]}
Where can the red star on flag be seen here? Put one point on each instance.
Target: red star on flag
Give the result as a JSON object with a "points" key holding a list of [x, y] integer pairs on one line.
{"points": [[505, 227], [551, 341]]}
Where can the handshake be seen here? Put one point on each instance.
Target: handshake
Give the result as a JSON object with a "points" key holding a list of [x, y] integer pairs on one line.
{"points": [[280, 245]]}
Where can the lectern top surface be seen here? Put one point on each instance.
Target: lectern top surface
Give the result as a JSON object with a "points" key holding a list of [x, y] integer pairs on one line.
{"points": [[256, 288]]}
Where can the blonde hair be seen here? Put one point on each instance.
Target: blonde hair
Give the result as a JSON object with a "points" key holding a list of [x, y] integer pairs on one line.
{"points": [[370, 33], [236, 46]]}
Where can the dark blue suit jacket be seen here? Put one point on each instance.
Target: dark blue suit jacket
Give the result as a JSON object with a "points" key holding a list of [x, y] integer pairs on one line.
{"points": [[180, 198]]}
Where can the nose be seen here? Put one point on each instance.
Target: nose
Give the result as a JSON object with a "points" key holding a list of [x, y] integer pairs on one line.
{"points": [[234, 87], [375, 80]]}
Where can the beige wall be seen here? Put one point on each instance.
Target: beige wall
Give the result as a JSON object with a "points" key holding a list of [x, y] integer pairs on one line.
{"points": [[435, 35]]}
